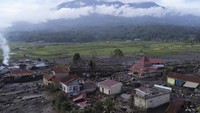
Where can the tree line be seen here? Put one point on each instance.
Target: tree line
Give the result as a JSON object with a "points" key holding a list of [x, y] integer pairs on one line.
{"points": [[89, 34]]}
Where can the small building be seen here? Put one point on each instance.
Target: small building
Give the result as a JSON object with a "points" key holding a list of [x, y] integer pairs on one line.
{"points": [[59, 71], [146, 97], [70, 84], [180, 79], [17, 73], [146, 67], [110, 87], [39, 65]]}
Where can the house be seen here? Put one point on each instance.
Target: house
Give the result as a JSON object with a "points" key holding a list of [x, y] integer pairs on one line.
{"points": [[18, 73], [49, 79], [180, 79], [59, 71], [146, 97], [146, 67], [40, 65], [70, 84], [4, 70], [110, 87]]}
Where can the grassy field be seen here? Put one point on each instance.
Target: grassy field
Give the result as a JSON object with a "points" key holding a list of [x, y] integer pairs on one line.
{"points": [[101, 48]]}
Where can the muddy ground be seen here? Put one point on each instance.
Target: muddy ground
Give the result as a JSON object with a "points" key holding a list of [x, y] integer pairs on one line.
{"points": [[31, 98], [25, 98]]}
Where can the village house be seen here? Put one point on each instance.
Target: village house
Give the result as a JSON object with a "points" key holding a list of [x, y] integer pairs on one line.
{"points": [[18, 73], [57, 74], [146, 67], [189, 81], [70, 84], [59, 71], [146, 97], [110, 87]]}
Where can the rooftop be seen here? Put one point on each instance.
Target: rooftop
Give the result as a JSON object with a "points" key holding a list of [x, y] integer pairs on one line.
{"points": [[21, 72], [145, 64], [60, 69], [109, 83], [64, 80], [146, 92], [68, 79], [184, 77]]}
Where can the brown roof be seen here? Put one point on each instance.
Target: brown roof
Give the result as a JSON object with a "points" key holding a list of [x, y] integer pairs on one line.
{"points": [[47, 76], [181, 76], [60, 79], [144, 65], [60, 69], [176, 106], [68, 79], [21, 72], [108, 83]]}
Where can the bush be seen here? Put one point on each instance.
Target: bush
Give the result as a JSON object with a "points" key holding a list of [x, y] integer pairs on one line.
{"points": [[76, 57], [118, 53]]}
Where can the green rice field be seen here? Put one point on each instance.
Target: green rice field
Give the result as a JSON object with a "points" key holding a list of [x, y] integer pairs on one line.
{"points": [[100, 48]]}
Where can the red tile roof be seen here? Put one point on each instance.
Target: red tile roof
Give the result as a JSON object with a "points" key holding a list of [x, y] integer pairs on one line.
{"points": [[181, 76], [144, 65], [56, 80], [68, 79], [109, 83], [60, 69], [21, 72]]}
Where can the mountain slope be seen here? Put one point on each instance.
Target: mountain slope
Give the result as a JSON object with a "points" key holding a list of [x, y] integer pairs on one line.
{"points": [[93, 3]]}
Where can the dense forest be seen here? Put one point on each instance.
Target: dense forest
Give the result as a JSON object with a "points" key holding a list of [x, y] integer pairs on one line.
{"points": [[108, 33]]}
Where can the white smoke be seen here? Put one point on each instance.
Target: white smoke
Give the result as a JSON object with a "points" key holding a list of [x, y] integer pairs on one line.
{"points": [[5, 48]]}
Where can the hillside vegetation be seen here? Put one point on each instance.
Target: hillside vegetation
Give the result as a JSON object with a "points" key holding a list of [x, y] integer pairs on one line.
{"points": [[102, 48], [165, 33]]}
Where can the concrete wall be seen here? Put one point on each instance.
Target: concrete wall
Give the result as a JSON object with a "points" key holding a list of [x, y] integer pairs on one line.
{"points": [[116, 89], [157, 101], [139, 102], [21, 79], [111, 91], [70, 88], [151, 102], [170, 81]]}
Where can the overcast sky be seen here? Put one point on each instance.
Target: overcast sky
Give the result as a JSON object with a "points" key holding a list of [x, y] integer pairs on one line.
{"points": [[36, 11]]}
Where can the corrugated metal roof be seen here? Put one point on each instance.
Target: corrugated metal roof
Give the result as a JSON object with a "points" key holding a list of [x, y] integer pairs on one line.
{"points": [[181, 76], [191, 84]]}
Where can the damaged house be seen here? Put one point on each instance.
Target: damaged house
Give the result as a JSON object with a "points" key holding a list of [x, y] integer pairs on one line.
{"points": [[179, 79], [146, 97], [146, 67]]}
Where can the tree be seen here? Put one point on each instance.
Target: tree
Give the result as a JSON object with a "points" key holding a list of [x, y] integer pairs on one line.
{"points": [[76, 57], [65, 106], [91, 64], [98, 107], [118, 53], [109, 103], [61, 102]]}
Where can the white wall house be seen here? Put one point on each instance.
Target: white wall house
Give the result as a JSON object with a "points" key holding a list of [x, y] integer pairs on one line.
{"points": [[110, 87], [151, 97], [70, 85]]}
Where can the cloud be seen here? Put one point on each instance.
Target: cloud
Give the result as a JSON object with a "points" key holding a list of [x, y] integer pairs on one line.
{"points": [[36, 11], [126, 11]]}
